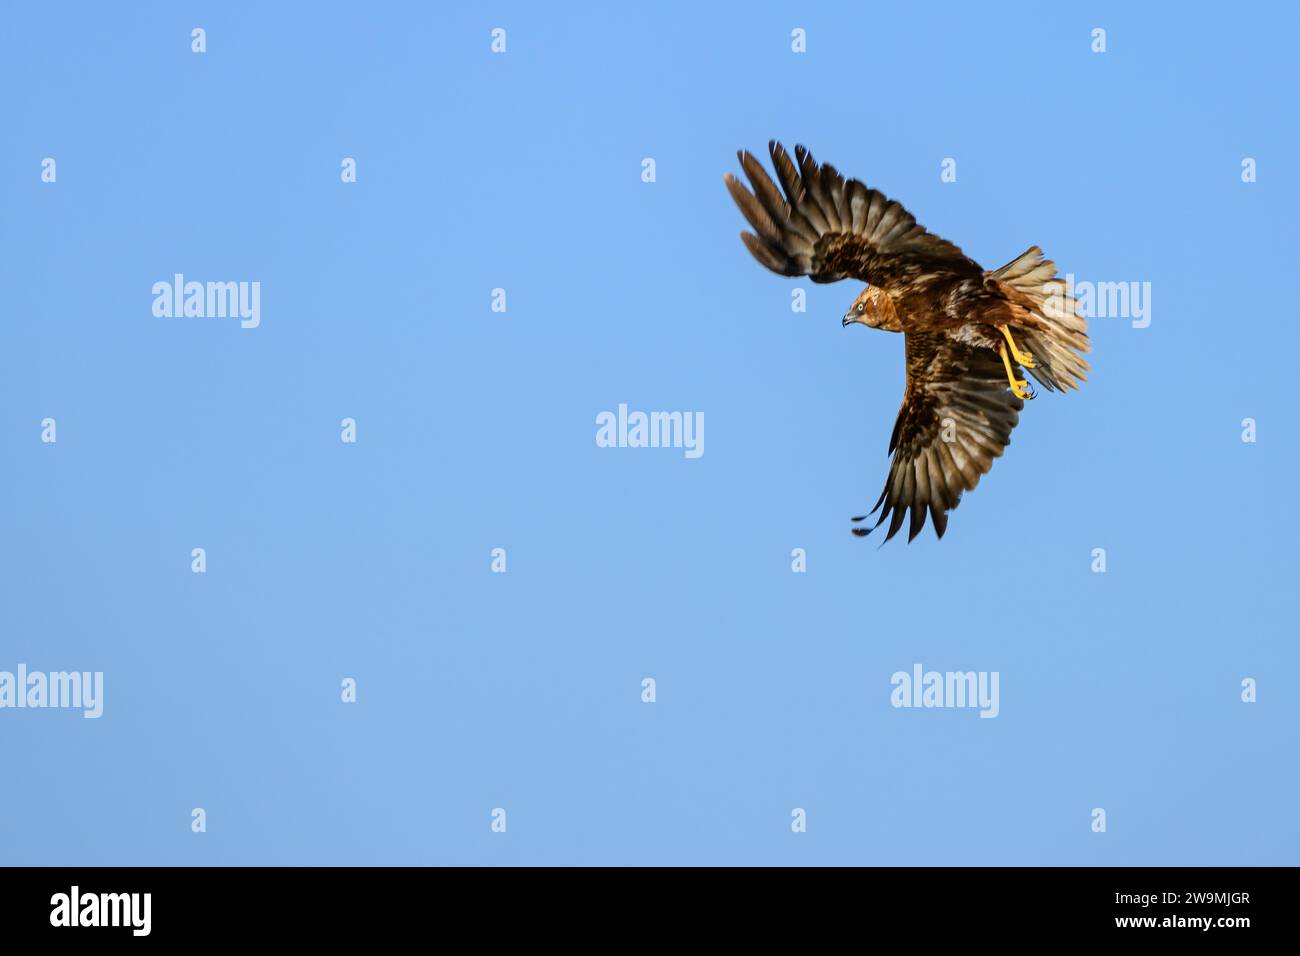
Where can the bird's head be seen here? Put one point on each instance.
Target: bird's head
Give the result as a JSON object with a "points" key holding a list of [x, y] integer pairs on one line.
{"points": [[873, 308]]}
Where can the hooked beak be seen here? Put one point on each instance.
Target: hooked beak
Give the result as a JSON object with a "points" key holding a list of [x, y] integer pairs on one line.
{"points": [[849, 319]]}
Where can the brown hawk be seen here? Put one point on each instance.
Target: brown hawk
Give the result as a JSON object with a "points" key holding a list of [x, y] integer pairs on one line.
{"points": [[962, 324]]}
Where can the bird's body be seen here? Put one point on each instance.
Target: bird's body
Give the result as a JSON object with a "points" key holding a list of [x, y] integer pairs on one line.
{"points": [[964, 326]]}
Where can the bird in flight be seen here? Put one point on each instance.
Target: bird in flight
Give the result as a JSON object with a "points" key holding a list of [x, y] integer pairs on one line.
{"points": [[966, 330]]}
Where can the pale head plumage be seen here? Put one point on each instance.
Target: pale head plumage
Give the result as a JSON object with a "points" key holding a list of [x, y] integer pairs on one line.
{"points": [[874, 308]]}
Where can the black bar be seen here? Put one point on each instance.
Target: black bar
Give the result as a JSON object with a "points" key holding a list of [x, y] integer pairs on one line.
{"points": [[238, 904]]}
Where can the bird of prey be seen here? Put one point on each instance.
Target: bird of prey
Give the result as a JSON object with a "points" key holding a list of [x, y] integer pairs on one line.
{"points": [[966, 330]]}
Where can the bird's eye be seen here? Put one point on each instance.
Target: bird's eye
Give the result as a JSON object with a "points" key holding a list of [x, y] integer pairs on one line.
{"points": [[861, 306]]}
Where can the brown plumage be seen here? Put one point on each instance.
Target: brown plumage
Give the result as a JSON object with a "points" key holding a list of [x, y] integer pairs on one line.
{"points": [[966, 329]]}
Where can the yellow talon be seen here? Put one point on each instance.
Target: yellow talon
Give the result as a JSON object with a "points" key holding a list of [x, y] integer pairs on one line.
{"points": [[1022, 358], [1019, 387]]}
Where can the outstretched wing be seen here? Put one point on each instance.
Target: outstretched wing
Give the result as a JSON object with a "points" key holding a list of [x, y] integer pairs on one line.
{"points": [[957, 416], [829, 228]]}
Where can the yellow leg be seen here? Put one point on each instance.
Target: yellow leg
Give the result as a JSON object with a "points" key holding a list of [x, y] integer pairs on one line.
{"points": [[1024, 358], [1019, 387]]}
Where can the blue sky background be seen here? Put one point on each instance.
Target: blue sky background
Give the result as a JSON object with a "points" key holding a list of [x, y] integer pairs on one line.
{"points": [[476, 431]]}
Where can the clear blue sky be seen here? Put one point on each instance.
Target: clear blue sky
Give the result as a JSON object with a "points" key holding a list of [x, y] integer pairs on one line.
{"points": [[476, 430]]}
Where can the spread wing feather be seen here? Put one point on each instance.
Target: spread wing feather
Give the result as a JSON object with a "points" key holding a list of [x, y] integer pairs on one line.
{"points": [[957, 416], [824, 226]]}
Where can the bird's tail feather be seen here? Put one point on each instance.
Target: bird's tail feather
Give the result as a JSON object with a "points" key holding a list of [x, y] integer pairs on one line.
{"points": [[1057, 349]]}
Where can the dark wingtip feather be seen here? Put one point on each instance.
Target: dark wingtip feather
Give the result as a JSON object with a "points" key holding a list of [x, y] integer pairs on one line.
{"points": [[765, 254], [861, 532], [895, 522], [939, 519], [754, 212], [917, 523]]}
